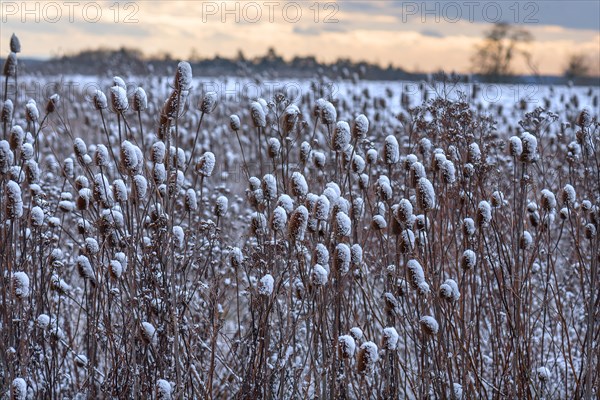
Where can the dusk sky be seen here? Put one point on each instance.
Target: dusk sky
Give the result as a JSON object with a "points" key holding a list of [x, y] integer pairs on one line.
{"points": [[424, 36]]}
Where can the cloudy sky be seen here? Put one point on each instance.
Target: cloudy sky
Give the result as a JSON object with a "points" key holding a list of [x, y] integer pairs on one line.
{"points": [[415, 35]]}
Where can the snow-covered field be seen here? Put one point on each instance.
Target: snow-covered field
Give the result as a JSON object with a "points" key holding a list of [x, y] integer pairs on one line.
{"points": [[189, 237]]}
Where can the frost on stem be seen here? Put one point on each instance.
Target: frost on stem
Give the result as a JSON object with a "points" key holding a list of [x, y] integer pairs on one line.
{"points": [[368, 355], [265, 285]]}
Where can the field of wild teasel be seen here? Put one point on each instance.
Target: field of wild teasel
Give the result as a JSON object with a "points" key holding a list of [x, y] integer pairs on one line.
{"points": [[191, 246]]}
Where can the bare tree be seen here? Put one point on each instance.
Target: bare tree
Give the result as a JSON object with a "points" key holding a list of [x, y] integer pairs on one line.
{"points": [[577, 66], [502, 43]]}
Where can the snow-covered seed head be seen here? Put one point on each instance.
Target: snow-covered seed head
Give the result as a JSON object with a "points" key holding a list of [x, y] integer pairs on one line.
{"points": [[529, 153], [391, 150], [118, 99], [20, 285], [164, 391], [206, 164], [148, 333], [328, 112], [356, 333], [321, 208], [341, 258], [448, 172], [183, 76], [15, 44], [115, 269], [290, 117], [257, 112], [178, 237], [299, 185], [429, 325], [118, 81], [378, 223], [85, 269], [389, 339], [497, 199], [234, 122], [319, 275], [16, 137], [543, 374], [158, 152], [590, 231], [484, 214], [449, 290], [265, 285], [221, 205], [10, 65], [548, 201], [14, 201], [515, 146], [208, 103], [99, 100], [140, 186], [298, 223], [321, 254], [568, 195], [273, 147], [526, 240], [584, 119], [347, 346], [18, 389], [278, 219], [368, 355], [341, 136], [7, 111], [360, 127], [37, 217], [342, 225], [32, 113], [129, 159], [371, 156], [305, 150], [474, 154], [140, 100], [468, 227], [425, 195], [415, 273], [468, 260], [52, 103], [384, 188]]}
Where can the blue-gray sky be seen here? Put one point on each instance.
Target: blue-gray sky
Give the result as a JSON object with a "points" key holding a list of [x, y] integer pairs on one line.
{"points": [[417, 35]]}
